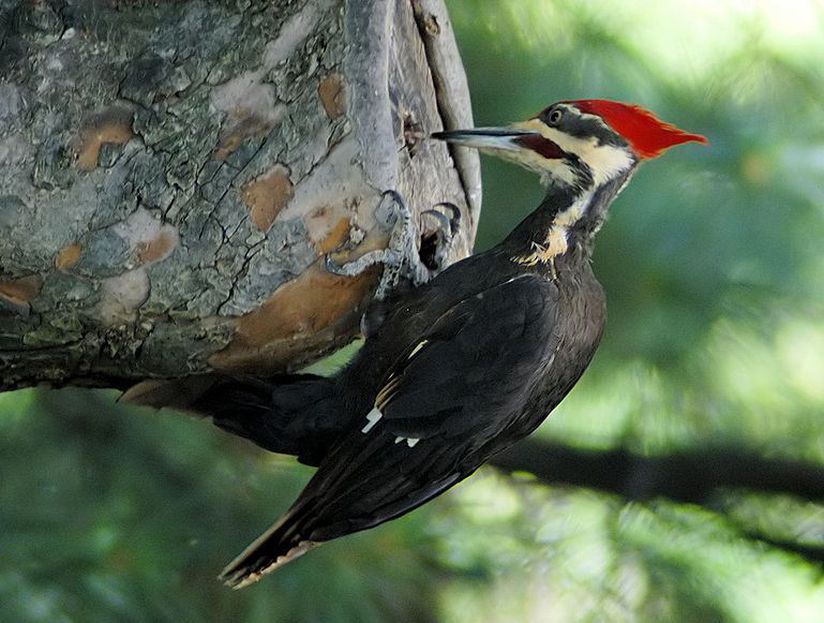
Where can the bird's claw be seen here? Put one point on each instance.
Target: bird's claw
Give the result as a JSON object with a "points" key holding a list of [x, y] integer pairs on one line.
{"points": [[409, 256], [453, 222], [332, 266], [436, 244]]}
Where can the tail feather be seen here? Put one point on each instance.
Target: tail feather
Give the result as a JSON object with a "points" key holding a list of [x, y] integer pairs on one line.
{"points": [[297, 414], [291, 414], [279, 545], [174, 393]]}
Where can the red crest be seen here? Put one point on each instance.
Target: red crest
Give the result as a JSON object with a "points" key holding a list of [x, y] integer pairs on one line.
{"points": [[646, 133]]}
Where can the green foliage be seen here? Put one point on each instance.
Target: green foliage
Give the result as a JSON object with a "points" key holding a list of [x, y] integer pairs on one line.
{"points": [[118, 514], [714, 272], [713, 266]]}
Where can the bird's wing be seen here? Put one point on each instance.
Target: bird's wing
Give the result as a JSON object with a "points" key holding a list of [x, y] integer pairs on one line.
{"points": [[451, 394], [447, 397], [466, 374]]}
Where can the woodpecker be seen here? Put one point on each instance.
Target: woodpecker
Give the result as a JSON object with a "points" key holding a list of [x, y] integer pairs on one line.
{"points": [[463, 366]]}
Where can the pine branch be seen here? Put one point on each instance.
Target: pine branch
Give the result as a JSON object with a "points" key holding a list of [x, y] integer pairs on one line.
{"points": [[687, 476]]}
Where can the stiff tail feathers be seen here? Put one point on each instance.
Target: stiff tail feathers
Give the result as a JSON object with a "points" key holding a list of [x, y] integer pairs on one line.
{"points": [[279, 545], [297, 414]]}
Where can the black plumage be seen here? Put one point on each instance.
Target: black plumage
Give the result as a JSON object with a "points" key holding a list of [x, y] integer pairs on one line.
{"points": [[459, 368]]}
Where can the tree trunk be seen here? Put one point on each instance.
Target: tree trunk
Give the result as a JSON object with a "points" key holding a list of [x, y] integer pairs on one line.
{"points": [[174, 172]]}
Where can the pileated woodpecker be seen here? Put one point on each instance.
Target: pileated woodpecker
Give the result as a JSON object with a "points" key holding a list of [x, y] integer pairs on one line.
{"points": [[465, 365]]}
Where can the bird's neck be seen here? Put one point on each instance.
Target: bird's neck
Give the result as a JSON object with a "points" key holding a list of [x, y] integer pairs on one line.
{"points": [[564, 224]]}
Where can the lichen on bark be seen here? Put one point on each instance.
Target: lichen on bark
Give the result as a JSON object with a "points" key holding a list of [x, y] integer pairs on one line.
{"points": [[173, 173]]}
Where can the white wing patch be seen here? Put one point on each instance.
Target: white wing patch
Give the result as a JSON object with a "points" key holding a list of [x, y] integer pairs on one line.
{"points": [[383, 395], [373, 416]]}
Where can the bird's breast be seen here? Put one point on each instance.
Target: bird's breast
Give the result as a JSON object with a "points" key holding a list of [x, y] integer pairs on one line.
{"points": [[579, 325]]}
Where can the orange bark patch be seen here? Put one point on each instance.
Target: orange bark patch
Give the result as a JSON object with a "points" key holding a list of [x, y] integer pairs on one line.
{"points": [[332, 93], [93, 137], [21, 291], [267, 196], [310, 310], [158, 248], [336, 237], [243, 129], [68, 257]]}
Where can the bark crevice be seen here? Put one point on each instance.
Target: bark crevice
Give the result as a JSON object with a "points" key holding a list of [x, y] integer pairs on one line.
{"points": [[143, 147]]}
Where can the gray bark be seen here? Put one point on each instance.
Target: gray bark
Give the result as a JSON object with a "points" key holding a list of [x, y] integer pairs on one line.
{"points": [[174, 172]]}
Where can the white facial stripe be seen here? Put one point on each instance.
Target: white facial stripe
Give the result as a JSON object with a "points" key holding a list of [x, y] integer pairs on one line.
{"points": [[574, 212], [557, 170], [605, 161], [547, 168], [508, 148], [555, 243]]}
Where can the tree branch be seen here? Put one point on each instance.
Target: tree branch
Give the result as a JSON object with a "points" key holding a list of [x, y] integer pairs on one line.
{"points": [[687, 476]]}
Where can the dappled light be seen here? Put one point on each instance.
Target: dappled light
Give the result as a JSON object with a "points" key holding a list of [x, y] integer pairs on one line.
{"points": [[713, 265]]}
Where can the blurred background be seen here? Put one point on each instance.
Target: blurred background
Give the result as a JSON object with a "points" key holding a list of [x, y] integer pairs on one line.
{"points": [[713, 264]]}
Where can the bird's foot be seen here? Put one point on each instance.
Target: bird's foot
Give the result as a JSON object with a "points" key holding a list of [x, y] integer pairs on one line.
{"points": [[437, 235], [413, 254]]}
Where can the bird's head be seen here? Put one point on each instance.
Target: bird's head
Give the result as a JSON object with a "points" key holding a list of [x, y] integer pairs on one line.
{"points": [[581, 144], [585, 152]]}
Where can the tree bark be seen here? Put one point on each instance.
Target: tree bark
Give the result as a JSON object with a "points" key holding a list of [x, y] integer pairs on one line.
{"points": [[173, 174]]}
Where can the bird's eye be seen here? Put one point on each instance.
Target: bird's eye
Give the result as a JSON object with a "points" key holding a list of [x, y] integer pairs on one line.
{"points": [[554, 117]]}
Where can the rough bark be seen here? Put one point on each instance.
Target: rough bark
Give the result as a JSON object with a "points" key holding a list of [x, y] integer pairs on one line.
{"points": [[174, 172]]}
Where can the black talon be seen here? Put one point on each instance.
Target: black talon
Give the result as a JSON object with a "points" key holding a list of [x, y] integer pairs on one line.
{"points": [[331, 265], [445, 224], [435, 244], [409, 256], [455, 220], [393, 215], [396, 196]]}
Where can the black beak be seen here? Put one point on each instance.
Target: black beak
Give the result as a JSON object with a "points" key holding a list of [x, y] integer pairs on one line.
{"points": [[487, 138]]}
